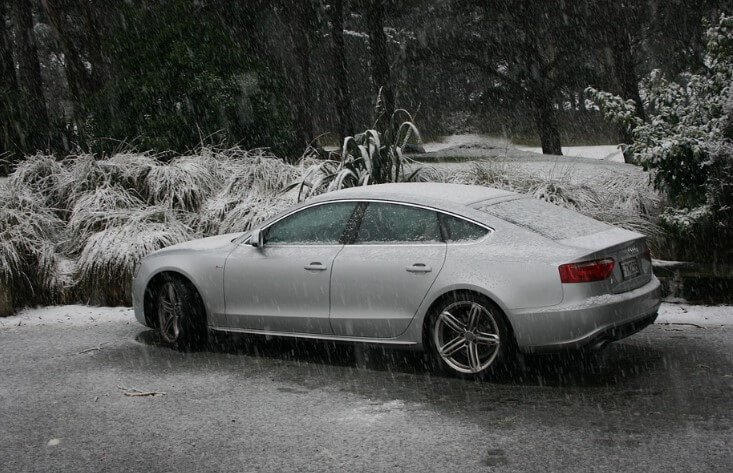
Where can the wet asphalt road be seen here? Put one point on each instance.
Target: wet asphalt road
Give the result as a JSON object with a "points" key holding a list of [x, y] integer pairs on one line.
{"points": [[659, 401]]}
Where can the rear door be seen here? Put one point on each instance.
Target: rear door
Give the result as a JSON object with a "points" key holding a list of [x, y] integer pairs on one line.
{"points": [[284, 285], [380, 279]]}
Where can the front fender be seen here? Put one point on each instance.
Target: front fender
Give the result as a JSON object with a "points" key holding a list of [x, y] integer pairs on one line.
{"points": [[204, 270]]}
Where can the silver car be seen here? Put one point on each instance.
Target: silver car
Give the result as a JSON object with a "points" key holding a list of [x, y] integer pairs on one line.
{"points": [[468, 273]]}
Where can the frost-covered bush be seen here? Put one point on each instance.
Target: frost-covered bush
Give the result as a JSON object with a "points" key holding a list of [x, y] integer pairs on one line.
{"points": [[108, 260], [28, 235], [686, 142], [97, 210], [183, 184], [42, 175], [251, 189]]}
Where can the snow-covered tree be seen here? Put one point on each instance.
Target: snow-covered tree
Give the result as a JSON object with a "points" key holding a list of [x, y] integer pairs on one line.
{"points": [[687, 142]]}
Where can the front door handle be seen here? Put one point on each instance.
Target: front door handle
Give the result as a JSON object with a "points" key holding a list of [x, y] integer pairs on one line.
{"points": [[419, 268], [315, 266]]}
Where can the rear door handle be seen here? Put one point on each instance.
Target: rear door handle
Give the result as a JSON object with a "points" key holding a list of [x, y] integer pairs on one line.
{"points": [[419, 268], [315, 266]]}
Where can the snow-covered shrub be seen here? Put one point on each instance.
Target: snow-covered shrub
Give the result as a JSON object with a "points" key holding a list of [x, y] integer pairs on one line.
{"points": [[108, 260], [28, 234], [42, 175], [255, 210], [98, 209], [85, 174], [183, 184], [134, 168], [686, 142], [252, 192]]}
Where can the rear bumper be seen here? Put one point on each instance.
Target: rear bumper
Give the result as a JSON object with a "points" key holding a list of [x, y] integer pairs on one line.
{"points": [[591, 324]]}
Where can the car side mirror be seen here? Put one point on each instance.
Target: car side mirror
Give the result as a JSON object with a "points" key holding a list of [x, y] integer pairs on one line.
{"points": [[257, 238]]}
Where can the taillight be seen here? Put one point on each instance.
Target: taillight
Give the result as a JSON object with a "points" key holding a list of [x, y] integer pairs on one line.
{"points": [[647, 255], [586, 271]]}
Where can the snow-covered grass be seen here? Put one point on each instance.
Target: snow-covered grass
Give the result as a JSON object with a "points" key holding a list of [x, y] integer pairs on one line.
{"points": [[74, 230], [28, 234], [98, 218], [603, 152]]}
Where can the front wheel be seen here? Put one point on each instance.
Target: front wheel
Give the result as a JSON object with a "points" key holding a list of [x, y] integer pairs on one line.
{"points": [[181, 318], [468, 336]]}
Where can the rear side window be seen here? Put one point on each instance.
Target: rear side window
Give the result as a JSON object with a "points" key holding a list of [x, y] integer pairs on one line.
{"points": [[459, 230], [549, 220], [394, 223]]}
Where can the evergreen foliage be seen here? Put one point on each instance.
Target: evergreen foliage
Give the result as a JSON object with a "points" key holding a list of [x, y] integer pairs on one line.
{"points": [[179, 79], [687, 143]]}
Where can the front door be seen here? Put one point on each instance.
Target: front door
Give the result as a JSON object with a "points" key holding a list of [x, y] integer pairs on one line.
{"points": [[284, 286]]}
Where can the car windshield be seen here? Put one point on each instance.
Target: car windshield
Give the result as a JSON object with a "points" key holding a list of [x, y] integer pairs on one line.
{"points": [[549, 220]]}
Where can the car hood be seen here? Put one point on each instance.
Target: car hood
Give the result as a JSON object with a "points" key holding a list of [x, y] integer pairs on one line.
{"points": [[203, 244]]}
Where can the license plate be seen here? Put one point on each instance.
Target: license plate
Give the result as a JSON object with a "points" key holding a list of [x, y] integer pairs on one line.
{"points": [[630, 268]]}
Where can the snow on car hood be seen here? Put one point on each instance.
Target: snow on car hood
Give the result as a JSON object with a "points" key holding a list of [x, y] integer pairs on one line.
{"points": [[201, 244]]}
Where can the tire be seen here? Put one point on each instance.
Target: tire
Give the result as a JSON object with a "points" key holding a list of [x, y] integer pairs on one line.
{"points": [[468, 336], [181, 318]]}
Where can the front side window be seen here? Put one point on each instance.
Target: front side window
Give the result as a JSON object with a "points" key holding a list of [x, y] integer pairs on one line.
{"points": [[394, 223], [459, 230], [319, 225]]}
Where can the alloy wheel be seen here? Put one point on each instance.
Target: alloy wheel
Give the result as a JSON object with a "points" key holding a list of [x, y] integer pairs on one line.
{"points": [[466, 337]]}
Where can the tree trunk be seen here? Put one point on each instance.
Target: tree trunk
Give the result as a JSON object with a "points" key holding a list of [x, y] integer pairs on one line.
{"points": [[625, 72], [36, 128], [343, 98], [80, 83], [301, 30], [8, 95], [380, 57], [544, 117], [100, 69]]}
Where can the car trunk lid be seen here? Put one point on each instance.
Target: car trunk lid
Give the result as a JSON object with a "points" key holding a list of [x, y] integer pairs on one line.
{"points": [[629, 250]]}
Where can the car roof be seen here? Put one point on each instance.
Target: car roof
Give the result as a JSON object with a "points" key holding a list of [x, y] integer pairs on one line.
{"points": [[420, 192]]}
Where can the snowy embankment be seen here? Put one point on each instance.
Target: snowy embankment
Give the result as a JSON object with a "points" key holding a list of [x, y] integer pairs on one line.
{"points": [[77, 315], [602, 152], [609, 152]]}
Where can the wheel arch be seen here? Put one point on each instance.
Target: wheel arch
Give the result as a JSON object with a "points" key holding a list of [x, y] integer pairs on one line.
{"points": [[452, 291], [156, 280]]}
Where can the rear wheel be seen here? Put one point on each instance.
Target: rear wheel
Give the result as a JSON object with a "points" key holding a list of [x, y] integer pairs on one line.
{"points": [[468, 336], [181, 316]]}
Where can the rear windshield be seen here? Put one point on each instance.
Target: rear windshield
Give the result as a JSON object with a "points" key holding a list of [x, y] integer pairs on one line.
{"points": [[549, 220]]}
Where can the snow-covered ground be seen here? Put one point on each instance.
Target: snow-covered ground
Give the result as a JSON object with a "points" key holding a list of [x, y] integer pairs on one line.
{"points": [[601, 152], [70, 315], [453, 141], [604, 152], [75, 315], [670, 313]]}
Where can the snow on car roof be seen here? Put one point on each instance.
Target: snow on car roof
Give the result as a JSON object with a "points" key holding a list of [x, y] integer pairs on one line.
{"points": [[454, 193]]}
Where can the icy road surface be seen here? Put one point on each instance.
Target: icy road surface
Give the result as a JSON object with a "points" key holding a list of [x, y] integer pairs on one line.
{"points": [[661, 400]]}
